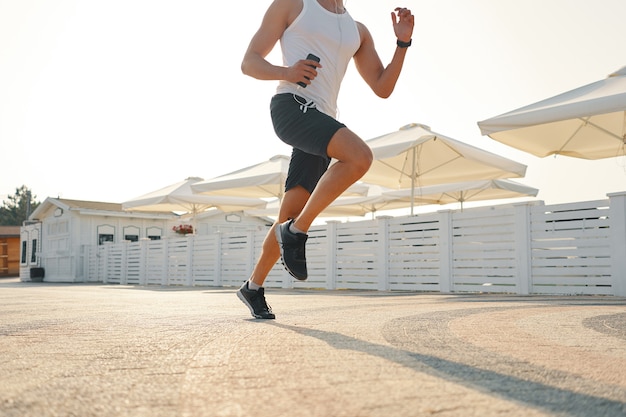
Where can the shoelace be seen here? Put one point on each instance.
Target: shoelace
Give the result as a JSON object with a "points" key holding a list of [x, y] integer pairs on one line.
{"points": [[265, 306], [299, 248], [260, 300]]}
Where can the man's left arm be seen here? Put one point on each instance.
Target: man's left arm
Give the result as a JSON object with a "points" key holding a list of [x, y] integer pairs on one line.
{"points": [[382, 80]]}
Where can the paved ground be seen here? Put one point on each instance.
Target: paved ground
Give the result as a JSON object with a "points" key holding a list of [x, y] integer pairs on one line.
{"points": [[106, 350]]}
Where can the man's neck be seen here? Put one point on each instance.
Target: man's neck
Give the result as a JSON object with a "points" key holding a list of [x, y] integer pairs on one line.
{"points": [[334, 6]]}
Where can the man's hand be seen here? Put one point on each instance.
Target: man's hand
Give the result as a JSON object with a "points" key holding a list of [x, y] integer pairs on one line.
{"points": [[403, 22], [303, 71]]}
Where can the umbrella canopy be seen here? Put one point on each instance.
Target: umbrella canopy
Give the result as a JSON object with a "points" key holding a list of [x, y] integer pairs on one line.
{"points": [[352, 202], [375, 200], [415, 156], [263, 180], [341, 207], [461, 192], [588, 122], [180, 197]]}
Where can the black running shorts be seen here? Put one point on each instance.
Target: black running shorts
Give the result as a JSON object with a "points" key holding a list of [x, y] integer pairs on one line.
{"points": [[309, 131]]}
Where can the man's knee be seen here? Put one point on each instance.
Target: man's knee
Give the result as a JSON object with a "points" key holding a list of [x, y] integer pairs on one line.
{"points": [[363, 159], [347, 147]]}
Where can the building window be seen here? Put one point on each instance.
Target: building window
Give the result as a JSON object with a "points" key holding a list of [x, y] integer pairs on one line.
{"points": [[131, 233], [106, 233], [24, 248], [154, 233], [33, 254], [104, 238]]}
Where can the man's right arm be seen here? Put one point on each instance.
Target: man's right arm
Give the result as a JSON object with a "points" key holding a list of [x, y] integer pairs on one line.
{"points": [[277, 19]]}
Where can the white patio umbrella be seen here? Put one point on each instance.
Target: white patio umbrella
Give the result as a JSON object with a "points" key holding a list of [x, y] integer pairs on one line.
{"points": [[375, 200], [351, 206], [461, 192], [179, 197], [264, 180], [415, 156], [356, 201], [588, 122]]}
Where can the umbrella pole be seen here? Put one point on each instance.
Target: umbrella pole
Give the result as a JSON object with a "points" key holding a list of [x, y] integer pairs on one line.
{"points": [[624, 131], [413, 171]]}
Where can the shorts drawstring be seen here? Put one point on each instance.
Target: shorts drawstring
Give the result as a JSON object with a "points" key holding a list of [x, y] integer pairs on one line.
{"points": [[304, 106]]}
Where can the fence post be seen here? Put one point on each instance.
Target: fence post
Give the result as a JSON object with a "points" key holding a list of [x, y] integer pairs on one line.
{"points": [[617, 219], [218, 259], [191, 240], [250, 237], [143, 260], [106, 253], [383, 253], [84, 250], [523, 264], [446, 281], [166, 263], [124, 263], [331, 254]]}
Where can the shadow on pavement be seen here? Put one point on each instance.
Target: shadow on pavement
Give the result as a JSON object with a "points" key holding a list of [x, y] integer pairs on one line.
{"points": [[562, 402]]}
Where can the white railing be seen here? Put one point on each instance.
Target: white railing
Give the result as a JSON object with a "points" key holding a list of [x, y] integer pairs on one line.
{"points": [[530, 248]]}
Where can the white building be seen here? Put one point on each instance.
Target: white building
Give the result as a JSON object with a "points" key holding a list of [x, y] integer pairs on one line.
{"points": [[54, 237]]}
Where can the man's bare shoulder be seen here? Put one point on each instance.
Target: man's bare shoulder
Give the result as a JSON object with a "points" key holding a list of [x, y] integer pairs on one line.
{"points": [[364, 33], [289, 9]]}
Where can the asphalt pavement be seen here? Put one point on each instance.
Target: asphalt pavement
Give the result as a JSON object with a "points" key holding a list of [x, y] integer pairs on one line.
{"points": [[111, 350]]}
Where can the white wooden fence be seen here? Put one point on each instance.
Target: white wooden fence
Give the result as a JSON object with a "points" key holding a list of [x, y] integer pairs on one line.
{"points": [[528, 248]]}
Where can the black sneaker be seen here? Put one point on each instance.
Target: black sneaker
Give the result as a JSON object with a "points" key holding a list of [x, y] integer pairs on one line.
{"points": [[255, 300], [292, 250]]}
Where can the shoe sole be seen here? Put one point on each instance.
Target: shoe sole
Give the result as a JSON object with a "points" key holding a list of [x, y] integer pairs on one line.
{"points": [[279, 238], [243, 300]]}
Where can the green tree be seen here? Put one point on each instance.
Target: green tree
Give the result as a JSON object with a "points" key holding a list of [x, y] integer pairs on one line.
{"points": [[18, 207]]}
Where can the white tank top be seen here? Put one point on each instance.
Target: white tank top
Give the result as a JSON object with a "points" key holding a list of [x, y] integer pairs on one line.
{"points": [[334, 38]]}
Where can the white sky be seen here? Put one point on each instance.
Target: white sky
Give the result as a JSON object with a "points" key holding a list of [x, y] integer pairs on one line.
{"points": [[109, 100]]}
